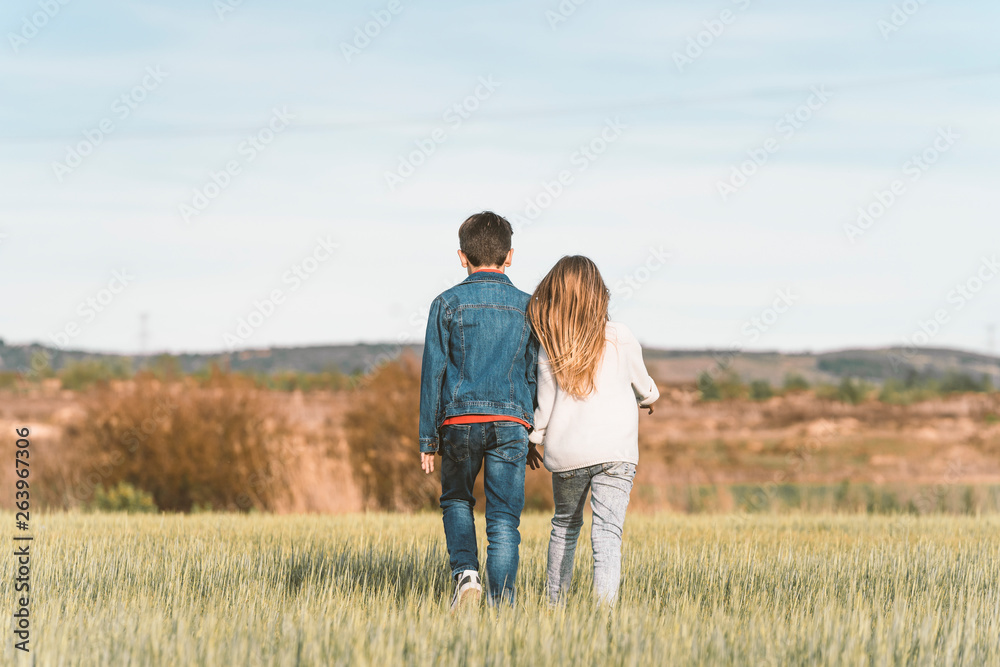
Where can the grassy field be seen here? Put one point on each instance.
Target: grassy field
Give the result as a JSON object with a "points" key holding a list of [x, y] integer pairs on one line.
{"points": [[216, 589]]}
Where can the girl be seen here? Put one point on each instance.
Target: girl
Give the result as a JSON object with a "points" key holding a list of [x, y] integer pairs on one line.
{"points": [[590, 376]]}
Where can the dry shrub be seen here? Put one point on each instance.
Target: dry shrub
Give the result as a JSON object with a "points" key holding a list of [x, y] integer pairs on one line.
{"points": [[217, 446], [382, 427], [538, 490]]}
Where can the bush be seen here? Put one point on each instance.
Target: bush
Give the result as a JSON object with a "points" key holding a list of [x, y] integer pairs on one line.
{"points": [[41, 369], [168, 367], [219, 446], [726, 387], [731, 387], [382, 428], [914, 387], [851, 391], [795, 382], [760, 390], [8, 380], [122, 498], [330, 380], [826, 392], [875, 366], [707, 387], [79, 375], [896, 392], [848, 391], [956, 383]]}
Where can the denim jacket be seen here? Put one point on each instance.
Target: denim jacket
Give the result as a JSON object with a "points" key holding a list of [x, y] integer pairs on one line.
{"points": [[480, 355]]}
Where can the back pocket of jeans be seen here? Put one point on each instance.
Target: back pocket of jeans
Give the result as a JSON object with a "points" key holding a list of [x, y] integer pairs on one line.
{"points": [[455, 441], [512, 440], [620, 469]]}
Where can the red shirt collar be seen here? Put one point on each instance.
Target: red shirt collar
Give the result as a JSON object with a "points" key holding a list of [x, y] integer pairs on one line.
{"points": [[487, 271]]}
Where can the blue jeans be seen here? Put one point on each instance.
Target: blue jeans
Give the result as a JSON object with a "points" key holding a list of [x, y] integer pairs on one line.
{"points": [[610, 485], [503, 447]]}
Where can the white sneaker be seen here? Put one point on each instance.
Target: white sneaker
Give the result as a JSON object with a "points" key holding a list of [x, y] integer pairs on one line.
{"points": [[468, 589]]}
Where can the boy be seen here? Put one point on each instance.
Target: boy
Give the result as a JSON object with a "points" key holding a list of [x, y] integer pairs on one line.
{"points": [[477, 396]]}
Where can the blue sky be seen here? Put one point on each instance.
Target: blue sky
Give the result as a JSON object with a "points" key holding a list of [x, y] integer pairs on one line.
{"points": [[654, 187]]}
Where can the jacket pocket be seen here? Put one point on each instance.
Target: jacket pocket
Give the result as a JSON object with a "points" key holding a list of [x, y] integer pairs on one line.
{"points": [[455, 441]]}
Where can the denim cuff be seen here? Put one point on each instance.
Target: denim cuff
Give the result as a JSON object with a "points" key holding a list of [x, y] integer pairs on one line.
{"points": [[428, 446]]}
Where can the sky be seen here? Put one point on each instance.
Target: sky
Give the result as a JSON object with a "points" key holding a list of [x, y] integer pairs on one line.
{"points": [[761, 175]]}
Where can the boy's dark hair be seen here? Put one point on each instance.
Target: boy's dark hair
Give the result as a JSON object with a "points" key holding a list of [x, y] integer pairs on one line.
{"points": [[485, 239]]}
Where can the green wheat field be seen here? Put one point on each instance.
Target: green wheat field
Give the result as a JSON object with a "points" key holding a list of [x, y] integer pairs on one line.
{"points": [[222, 589]]}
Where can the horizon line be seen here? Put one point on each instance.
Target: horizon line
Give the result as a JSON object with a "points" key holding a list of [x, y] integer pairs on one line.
{"points": [[652, 349]]}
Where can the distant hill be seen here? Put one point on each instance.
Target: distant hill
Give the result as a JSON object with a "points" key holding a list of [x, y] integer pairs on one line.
{"points": [[669, 366], [345, 358], [874, 365]]}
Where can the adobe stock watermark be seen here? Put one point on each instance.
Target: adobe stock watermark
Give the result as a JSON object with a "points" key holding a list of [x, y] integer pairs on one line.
{"points": [[786, 128], [91, 307], [364, 34], [417, 322], [712, 29], [912, 171], [121, 109], [225, 7], [136, 433], [87, 312], [247, 152], [754, 327], [34, 23], [961, 294], [293, 279], [257, 484], [562, 13], [934, 498], [582, 158], [629, 285], [453, 118], [796, 462], [899, 17]]}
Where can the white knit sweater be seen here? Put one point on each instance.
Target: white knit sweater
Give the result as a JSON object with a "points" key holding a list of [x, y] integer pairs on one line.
{"points": [[603, 427]]}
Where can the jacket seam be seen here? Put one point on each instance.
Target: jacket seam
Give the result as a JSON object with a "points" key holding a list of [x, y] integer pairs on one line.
{"points": [[461, 366], [484, 306], [439, 379]]}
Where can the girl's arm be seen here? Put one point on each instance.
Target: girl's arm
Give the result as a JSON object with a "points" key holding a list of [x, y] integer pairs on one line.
{"points": [[643, 386], [546, 398]]}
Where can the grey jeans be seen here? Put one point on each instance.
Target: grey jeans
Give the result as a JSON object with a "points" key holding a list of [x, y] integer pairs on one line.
{"points": [[609, 485]]}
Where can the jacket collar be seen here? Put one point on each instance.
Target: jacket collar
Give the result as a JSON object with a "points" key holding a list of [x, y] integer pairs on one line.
{"points": [[488, 276]]}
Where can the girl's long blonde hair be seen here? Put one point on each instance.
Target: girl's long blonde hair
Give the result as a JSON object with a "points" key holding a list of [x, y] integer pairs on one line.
{"points": [[568, 313]]}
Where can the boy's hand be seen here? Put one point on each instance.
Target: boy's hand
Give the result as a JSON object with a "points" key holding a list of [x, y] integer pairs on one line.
{"points": [[534, 458], [427, 462], [650, 409]]}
